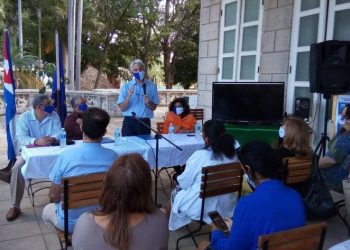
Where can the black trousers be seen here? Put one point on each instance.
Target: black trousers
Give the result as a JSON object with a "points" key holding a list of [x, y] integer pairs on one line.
{"points": [[131, 126]]}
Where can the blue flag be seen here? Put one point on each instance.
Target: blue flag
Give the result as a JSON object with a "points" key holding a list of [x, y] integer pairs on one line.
{"points": [[10, 100], [58, 87]]}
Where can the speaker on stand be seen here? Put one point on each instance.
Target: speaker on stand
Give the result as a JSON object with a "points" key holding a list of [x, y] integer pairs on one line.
{"points": [[329, 75], [329, 67]]}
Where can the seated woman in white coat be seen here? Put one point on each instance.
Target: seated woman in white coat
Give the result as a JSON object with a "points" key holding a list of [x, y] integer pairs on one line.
{"points": [[219, 149]]}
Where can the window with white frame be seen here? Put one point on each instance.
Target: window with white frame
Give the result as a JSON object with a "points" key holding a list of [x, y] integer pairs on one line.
{"points": [[240, 35], [309, 21]]}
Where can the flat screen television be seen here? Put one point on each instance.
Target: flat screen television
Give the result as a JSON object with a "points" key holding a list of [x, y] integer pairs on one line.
{"points": [[248, 102]]}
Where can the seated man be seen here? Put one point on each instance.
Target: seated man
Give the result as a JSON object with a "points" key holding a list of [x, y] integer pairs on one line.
{"points": [[272, 207], [73, 122], [89, 157], [39, 127]]}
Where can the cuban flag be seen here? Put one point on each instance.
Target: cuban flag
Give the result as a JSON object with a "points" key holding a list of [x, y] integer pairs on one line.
{"points": [[9, 97], [58, 88]]}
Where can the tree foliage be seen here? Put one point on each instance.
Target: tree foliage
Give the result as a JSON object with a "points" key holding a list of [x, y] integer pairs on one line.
{"points": [[116, 32]]}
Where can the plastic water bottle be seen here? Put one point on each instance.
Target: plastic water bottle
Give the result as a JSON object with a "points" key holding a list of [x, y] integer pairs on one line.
{"points": [[63, 138], [198, 130], [171, 131], [117, 136]]}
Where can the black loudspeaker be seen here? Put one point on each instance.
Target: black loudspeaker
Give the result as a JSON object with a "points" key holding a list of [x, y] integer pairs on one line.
{"points": [[330, 67], [302, 108]]}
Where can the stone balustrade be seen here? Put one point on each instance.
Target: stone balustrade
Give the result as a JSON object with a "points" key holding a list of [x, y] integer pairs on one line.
{"points": [[102, 98]]}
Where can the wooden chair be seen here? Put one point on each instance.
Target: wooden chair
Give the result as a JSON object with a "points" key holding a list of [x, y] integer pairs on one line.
{"points": [[198, 114], [310, 237], [160, 127], [76, 192], [216, 180], [299, 169]]}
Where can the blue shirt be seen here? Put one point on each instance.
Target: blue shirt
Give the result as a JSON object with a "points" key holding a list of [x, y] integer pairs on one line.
{"points": [[28, 128], [86, 159], [270, 208], [136, 103]]}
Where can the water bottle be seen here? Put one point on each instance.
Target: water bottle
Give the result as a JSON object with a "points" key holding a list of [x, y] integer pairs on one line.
{"points": [[171, 131], [198, 130], [117, 137], [63, 138]]}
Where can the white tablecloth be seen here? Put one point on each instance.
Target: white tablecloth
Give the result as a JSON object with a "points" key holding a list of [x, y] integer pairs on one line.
{"points": [[171, 156], [40, 160]]}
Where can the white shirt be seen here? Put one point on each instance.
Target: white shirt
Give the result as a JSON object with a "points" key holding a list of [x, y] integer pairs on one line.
{"points": [[187, 204]]}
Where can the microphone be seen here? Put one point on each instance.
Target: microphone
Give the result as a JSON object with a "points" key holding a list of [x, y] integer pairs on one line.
{"points": [[144, 88]]}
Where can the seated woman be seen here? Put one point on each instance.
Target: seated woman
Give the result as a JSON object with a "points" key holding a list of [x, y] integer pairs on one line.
{"points": [[179, 116], [270, 208], [186, 203], [335, 164], [128, 218], [295, 135], [73, 122]]}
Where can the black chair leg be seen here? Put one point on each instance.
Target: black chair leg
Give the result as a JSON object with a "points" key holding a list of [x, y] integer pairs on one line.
{"points": [[191, 234]]}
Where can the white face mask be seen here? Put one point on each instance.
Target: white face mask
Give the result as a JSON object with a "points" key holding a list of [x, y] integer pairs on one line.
{"points": [[179, 110], [341, 120], [281, 132], [250, 181]]}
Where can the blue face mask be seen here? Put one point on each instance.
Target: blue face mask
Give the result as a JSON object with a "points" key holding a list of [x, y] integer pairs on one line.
{"points": [[179, 110], [82, 107], [48, 108], [139, 75]]}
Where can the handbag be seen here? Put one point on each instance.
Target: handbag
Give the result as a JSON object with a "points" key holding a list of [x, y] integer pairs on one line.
{"points": [[316, 196]]}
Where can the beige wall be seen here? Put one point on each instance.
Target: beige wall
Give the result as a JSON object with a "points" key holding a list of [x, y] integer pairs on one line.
{"points": [[275, 46]]}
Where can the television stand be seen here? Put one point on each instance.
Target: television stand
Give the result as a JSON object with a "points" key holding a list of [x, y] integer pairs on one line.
{"points": [[244, 133]]}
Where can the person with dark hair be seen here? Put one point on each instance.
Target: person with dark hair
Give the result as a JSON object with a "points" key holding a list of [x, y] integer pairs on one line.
{"points": [[295, 135], [138, 97], [342, 117], [39, 127], [90, 157], [335, 165], [179, 116], [74, 121], [186, 205], [270, 208], [128, 217]]}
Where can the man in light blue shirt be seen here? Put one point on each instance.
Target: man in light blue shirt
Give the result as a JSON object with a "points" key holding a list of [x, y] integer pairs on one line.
{"points": [[40, 127], [138, 97], [89, 158]]}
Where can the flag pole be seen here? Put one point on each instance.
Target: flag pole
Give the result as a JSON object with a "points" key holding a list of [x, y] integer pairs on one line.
{"points": [[57, 44], [58, 77]]}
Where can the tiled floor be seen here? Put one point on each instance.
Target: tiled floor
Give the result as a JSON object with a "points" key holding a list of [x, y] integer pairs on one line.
{"points": [[29, 232]]}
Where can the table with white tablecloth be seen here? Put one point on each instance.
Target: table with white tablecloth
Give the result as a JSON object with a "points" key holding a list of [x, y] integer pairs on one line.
{"points": [[40, 160]]}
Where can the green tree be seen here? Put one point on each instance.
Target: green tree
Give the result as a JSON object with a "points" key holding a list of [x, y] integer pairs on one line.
{"points": [[179, 27]]}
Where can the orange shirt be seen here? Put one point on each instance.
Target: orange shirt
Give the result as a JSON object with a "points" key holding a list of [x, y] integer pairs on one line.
{"points": [[186, 123]]}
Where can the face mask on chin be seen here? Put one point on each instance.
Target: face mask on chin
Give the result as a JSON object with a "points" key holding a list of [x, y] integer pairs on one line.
{"points": [[48, 108], [139, 75], [250, 181], [179, 110]]}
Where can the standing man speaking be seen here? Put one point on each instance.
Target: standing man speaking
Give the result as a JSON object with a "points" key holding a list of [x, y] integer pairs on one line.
{"points": [[138, 97]]}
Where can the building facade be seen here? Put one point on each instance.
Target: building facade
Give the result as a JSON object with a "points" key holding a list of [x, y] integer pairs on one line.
{"points": [[266, 41]]}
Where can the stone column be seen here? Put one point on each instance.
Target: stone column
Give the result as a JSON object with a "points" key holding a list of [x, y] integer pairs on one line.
{"points": [[208, 53], [275, 41]]}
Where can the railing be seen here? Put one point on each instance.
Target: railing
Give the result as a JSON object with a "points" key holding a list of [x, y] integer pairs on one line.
{"points": [[102, 98]]}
